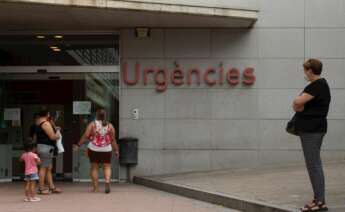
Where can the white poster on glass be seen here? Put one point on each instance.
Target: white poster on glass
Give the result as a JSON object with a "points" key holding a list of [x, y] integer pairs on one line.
{"points": [[81, 107], [12, 114]]}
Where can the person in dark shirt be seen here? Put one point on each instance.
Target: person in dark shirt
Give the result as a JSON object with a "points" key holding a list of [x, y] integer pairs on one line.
{"points": [[311, 124], [46, 137]]}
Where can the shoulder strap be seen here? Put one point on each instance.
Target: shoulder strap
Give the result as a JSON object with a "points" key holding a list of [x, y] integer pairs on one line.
{"points": [[108, 128], [94, 125], [42, 123]]}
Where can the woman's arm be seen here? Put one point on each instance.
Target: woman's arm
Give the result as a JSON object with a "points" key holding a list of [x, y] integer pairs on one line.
{"points": [[114, 145], [300, 101], [297, 108], [86, 135], [48, 129]]}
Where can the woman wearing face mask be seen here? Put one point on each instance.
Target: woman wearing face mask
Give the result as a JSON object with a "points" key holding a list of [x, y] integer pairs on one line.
{"points": [[311, 124]]}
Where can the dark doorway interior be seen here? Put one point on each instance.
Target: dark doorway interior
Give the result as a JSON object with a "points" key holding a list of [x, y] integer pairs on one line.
{"points": [[58, 95]]}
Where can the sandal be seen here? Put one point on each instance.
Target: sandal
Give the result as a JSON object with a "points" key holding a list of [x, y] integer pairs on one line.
{"points": [[95, 190], [55, 190], [107, 188], [43, 191], [311, 204], [315, 206]]}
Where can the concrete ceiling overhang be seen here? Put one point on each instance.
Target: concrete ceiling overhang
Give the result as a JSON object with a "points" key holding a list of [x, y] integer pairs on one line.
{"points": [[41, 15]]}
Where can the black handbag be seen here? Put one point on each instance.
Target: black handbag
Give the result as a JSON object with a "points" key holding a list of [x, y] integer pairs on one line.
{"points": [[291, 126]]}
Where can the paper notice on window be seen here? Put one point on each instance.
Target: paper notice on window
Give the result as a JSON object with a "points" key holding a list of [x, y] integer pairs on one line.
{"points": [[12, 114], [81, 107]]}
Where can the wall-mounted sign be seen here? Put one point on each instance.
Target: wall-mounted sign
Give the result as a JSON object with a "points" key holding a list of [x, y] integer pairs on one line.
{"points": [[12, 114], [81, 107], [179, 76]]}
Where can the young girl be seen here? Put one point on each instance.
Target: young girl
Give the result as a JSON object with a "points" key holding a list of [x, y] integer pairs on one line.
{"points": [[31, 172]]}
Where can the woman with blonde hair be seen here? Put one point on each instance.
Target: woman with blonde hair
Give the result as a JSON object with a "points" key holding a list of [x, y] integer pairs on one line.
{"points": [[312, 108]]}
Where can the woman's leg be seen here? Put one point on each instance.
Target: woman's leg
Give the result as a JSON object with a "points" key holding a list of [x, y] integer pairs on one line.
{"points": [[107, 172], [44, 155], [311, 144], [107, 176], [50, 180], [42, 174], [94, 176]]}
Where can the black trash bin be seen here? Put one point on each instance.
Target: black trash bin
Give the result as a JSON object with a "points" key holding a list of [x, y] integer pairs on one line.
{"points": [[128, 151]]}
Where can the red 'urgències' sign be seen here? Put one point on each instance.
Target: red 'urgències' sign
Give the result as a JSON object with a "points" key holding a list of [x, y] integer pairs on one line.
{"points": [[179, 76]]}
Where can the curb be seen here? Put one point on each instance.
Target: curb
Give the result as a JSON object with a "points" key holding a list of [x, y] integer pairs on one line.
{"points": [[211, 197]]}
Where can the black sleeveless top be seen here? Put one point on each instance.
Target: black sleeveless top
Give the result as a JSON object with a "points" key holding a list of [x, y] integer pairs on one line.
{"points": [[42, 137]]}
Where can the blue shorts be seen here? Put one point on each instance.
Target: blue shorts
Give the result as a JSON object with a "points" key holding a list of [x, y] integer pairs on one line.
{"points": [[31, 177]]}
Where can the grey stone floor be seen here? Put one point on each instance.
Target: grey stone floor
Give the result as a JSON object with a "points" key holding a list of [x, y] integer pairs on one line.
{"points": [[288, 186]]}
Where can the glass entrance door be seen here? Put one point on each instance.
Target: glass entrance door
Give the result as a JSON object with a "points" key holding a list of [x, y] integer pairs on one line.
{"points": [[102, 90], [72, 99]]}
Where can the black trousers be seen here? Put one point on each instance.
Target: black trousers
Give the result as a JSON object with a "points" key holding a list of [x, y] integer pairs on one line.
{"points": [[311, 144]]}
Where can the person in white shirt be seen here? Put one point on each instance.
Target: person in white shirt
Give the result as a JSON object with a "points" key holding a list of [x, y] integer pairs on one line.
{"points": [[101, 135]]}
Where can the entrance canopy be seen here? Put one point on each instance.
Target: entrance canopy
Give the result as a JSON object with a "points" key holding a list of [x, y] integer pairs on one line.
{"points": [[41, 15]]}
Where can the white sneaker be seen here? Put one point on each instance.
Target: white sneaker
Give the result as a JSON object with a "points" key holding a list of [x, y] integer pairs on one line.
{"points": [[35, 199], [27, 200]]}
